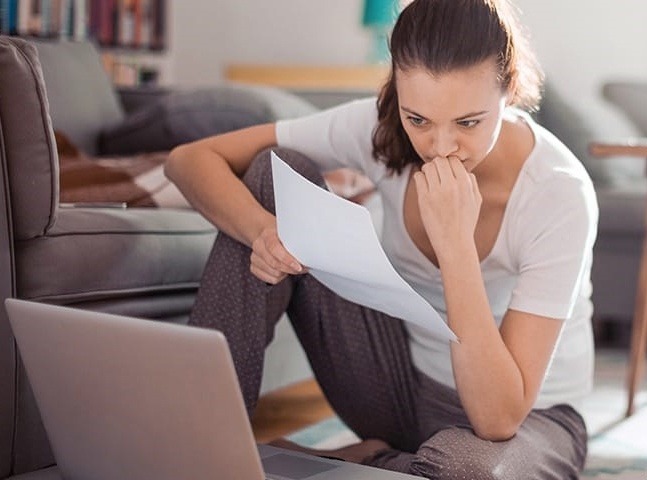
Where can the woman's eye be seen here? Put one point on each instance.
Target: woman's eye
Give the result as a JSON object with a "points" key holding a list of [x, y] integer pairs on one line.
{"points": [[469, 123], [416, 121]]}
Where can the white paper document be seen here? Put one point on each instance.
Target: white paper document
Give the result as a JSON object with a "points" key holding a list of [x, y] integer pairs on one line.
{"points": [[336, 240]]}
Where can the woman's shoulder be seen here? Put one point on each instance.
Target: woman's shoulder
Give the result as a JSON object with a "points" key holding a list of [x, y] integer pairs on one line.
{"points": [[353, 118], [550, 160], [340, 136], [551, 179], [364, 108]]}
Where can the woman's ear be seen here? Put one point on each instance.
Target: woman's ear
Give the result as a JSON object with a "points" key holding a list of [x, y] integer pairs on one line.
{"points": [[508, 93], [511, 91]]}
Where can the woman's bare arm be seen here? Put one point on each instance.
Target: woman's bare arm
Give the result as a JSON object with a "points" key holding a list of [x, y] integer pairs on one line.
{"points": [[498, 372], [208, 172]]}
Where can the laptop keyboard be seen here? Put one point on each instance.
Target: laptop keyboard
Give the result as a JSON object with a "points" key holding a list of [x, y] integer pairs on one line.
{"points": [[294, 467]]}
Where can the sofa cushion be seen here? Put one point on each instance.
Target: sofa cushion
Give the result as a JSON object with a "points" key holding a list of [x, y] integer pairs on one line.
{"points": [[185, 116], [622, 209], [95, 253], [618, 248], [81, 97]]}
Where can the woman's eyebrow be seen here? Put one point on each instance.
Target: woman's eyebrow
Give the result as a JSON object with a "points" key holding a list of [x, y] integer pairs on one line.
{"points": [[463, 117], [411, 112], [470, 115]]}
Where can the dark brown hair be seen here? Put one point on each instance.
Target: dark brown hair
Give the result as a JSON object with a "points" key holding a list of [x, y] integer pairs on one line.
{"points": [[444, 35]]}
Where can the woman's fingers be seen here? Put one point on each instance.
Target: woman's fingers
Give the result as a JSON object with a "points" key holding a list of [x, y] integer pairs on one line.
{"points": [[282, 258], [446, 173], [449, 200], [422, 186], [475, 188], [261, 270], [270, 261], [444, 168]]}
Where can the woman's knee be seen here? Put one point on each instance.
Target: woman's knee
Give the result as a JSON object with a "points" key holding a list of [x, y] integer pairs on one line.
{"points": [[258, 177], [456, 453], [534, 452]]}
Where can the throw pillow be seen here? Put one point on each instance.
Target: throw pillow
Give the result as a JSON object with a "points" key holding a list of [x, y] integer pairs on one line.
{"points": [[129, 181], [182, 117]]}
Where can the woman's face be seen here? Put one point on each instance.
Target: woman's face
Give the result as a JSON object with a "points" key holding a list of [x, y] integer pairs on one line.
{"points": [[458, 113]]}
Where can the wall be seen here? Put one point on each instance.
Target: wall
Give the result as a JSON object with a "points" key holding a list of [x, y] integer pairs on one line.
{"points": [[209, 34], [580, 43]]}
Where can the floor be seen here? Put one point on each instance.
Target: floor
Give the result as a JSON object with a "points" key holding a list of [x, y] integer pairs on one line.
{"points": [[288, 410]]}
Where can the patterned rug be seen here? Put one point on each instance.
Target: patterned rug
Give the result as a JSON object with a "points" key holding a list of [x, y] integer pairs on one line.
{"points": [[617, 446]]}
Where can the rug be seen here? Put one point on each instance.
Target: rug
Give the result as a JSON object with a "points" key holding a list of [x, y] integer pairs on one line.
{"points": [[617, 446]]}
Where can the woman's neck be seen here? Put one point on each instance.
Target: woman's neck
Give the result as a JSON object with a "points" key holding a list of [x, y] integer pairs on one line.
{"points": [[514, 145]]}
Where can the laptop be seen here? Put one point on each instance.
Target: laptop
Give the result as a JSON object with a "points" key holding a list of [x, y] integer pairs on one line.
{"points": [[139, 399]]}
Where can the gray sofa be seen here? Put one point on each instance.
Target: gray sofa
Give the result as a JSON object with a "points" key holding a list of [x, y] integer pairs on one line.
{"points": [[140, 262]]}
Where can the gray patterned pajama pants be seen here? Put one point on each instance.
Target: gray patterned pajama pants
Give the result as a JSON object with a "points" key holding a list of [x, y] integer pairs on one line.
{"points": [[360, 357]]}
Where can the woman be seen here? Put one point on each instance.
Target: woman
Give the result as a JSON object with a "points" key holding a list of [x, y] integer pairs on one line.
{"points": [[486, 214]]}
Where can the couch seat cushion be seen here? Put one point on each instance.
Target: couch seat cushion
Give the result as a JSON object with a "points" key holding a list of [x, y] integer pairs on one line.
{"points": [[95, 253]]}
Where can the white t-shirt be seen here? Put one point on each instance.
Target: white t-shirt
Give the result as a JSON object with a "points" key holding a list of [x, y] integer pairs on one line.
{"points": [[541, 259]]}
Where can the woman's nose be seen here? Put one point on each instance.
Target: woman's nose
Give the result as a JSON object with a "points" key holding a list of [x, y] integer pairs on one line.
{"points": [[444, 143]]}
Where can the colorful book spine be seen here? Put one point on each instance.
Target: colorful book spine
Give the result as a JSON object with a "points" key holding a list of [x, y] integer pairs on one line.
{"points": [[158, 25], [45, 18], [24, 11], [3, 15], [9, 17], [80, 19], [106, 19]]}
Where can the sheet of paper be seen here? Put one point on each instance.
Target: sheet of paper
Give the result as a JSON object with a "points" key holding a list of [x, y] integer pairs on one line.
{"points": [[336, 240]]}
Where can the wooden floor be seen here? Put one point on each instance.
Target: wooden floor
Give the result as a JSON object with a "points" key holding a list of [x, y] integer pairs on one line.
{"points": [[289, 409]]}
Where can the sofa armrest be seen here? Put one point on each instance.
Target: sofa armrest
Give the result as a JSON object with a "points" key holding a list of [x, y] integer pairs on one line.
{"points": [[134, 98]]}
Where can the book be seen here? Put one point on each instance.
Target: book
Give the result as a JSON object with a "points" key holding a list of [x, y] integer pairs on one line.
{"points": [[158, 24], [80, 19], [8, 16], [24, 10]]}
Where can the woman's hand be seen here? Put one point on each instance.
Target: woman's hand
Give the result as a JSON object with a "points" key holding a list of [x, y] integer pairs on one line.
{"points": [[449, 201], [270, 261]]}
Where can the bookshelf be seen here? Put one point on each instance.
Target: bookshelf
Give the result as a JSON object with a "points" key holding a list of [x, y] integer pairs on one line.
{"points": [[129, 33]]}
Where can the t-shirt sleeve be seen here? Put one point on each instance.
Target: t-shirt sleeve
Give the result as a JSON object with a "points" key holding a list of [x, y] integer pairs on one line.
{"points": [[555, 235], [335, 138]]}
